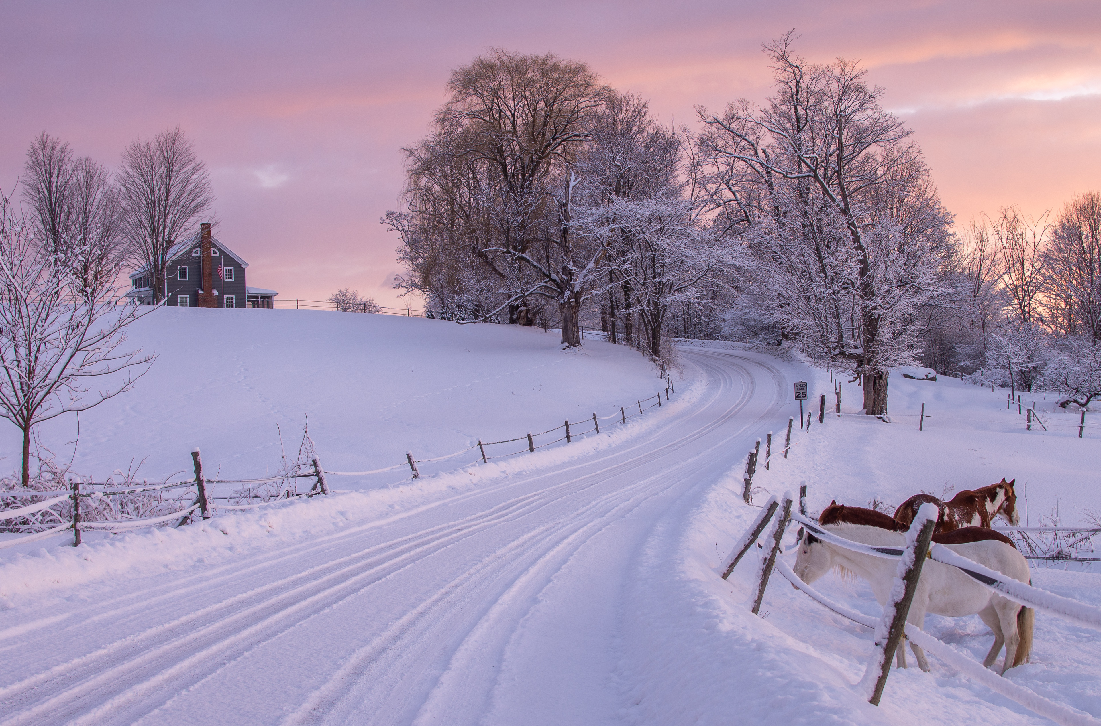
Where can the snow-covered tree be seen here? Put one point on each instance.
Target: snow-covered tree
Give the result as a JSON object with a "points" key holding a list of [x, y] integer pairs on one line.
{"points": [[346, 300], [843, 235], [1075, 370], [1072, 263], [61, 342]]}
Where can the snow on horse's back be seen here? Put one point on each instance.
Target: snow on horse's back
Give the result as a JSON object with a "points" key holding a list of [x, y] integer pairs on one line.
{"points": [[942, 589]]}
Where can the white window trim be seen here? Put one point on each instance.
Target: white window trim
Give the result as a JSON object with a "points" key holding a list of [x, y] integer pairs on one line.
{"points": [[214, 252], [196, 252], [183, 301], [227, 274], [227, 298], [181, 272]]}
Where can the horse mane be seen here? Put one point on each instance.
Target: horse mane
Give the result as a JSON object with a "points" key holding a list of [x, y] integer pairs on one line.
{"points": [[840, 514], [966, 535]]}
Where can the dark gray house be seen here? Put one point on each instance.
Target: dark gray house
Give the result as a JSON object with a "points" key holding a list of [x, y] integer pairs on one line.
{"points": [[204, 273]]}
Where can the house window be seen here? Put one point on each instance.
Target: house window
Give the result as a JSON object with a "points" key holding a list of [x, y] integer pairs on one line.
{"points": [[214, 251], [227, 274], [181, 272], [196, 252], [183, 301], [229, 300]]}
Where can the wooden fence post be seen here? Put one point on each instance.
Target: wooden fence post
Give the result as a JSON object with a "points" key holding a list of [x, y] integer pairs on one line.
{"points": [[1028, 420], [622, 414], [412, 464], [596, 424], [921, 421], [777, 534], [76, 512], [768, 449], [787, 441], [567, 431], [671, 385], [320, 474], [754, 533], [640, 406], [483, 450], [822, 409], [1082, 423], [1018, 404], [200, 484], [837, 393], [803, 499], [531, 444], [889, 632], [659, 399], [750, 469]]}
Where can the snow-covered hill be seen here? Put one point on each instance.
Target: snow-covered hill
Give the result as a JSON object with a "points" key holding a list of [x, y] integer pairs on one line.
{"points": [[374, 387]]}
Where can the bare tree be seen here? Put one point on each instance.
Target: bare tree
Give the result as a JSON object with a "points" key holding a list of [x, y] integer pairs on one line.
{"points": [[1021, 242], [60, 342], [346, 300], [1073, 266], [835, 208], [165, 189]]}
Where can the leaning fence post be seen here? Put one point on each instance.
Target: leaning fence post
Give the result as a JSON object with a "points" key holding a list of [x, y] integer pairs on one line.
{"points": [[320, 474], [1082, 423], [751, 535], [777, 534], [412, 464], [659, 399], [624, 415], [483, 450], [921, 421], [596, 424], [889, 631], [768, 449], [567, 431], [200, 484], [76, 512], [531, 444], [822, 409], [802, 499], [640, 406], [787, 441]]}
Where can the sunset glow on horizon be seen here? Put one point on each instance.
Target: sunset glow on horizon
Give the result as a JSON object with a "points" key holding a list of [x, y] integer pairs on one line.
{"points": [[300, 112]]}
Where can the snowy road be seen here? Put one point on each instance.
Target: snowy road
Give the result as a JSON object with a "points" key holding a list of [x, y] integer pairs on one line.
{"points": [[531, 600]]}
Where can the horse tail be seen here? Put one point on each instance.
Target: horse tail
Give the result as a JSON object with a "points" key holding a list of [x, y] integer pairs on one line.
{"points": [[1026, 621]]}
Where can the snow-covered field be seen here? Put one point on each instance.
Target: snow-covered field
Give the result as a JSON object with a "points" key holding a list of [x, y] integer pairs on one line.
{"points": [[579, 584]]}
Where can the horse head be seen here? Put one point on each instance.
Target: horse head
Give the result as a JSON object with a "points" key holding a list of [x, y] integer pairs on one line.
{"points": [[813, 560], [1008, 507]]}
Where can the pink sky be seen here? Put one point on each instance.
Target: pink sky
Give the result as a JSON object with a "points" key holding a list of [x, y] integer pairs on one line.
{"points": [[300, 110]]}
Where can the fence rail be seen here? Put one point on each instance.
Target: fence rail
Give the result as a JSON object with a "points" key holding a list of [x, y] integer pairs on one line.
{"points": [[64, 510]]}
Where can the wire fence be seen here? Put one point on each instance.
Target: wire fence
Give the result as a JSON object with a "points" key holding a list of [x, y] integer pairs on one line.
{"points": [[117, 506]]}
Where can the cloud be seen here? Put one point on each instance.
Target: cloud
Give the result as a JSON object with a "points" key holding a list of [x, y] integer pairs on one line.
{"points": [[271, 177]]}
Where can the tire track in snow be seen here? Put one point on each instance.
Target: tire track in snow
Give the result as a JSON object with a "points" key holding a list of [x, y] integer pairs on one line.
{"points": [[279, 605]]}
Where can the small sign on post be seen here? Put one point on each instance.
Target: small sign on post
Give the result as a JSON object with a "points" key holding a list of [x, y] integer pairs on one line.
{"points": [[800, 396]]}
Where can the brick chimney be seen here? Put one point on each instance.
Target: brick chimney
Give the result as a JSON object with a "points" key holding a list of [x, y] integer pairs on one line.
{"points": [[207, 299]]}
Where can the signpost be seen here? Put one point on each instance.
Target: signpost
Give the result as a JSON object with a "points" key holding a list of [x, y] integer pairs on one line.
{"points": [[800, 396]]}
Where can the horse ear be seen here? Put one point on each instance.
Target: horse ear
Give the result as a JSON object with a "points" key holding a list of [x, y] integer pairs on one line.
{"points": [[833, 502]]}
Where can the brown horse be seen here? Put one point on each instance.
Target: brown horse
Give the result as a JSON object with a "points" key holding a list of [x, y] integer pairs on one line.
{"points": [[969, 508], [842, 514]]}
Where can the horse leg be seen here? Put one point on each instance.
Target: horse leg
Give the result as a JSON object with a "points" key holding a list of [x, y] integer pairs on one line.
{"points": [[1007, 612], [900, 655], [917, 618], [990, 616]]}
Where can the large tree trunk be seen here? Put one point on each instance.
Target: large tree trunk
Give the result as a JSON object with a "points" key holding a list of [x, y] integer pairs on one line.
{"points": [[571, 331], [875, 393], [27, 456]]}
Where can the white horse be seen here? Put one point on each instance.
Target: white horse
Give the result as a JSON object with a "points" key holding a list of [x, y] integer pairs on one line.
{"points": [[942, 589]]}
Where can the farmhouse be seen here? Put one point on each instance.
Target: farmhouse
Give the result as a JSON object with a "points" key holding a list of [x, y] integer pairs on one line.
{"points": [[202, 272]]}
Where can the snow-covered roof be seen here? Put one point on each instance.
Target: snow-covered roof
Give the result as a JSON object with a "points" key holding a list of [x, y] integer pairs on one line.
{"points": [[260, 291], [184, 248]]}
